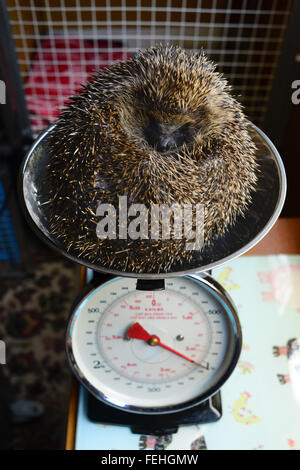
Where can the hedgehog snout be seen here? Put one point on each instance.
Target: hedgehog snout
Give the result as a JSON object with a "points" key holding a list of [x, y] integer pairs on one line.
{"points": [[166, 143], [165, 137]]}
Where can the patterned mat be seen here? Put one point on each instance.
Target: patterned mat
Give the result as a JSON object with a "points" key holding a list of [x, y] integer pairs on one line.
{"points": [[33, 313]]}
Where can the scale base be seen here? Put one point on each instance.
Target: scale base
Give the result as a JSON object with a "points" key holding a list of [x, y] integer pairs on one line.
{"points": [[209, 411]]}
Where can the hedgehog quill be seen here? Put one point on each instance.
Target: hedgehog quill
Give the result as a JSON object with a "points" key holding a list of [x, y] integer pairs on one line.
{"points": [[161, 128]]}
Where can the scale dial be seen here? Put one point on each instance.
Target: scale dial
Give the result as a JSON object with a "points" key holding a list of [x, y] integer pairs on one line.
{"points": [[156, 351]]}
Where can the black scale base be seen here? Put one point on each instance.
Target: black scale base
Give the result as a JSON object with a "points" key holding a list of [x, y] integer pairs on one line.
{"points": [[156, 425]]}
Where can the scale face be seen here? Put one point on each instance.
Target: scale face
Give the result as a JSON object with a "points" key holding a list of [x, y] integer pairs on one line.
{"points": [[154, 351]]}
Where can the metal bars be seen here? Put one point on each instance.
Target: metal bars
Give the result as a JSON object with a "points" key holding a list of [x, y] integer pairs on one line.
{"points": [[61, 42]]}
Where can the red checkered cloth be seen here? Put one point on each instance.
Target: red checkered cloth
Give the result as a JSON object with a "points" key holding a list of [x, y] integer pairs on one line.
{"points": [[59, 67]]}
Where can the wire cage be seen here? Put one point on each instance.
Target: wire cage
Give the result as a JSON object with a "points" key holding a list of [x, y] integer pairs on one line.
{"points": [[60, 43]]}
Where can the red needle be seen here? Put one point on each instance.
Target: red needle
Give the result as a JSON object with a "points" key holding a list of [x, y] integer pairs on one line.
{"points": [[136, 331]]}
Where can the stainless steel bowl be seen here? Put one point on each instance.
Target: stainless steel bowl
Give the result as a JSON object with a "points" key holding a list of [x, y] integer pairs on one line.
{"points": [[263, 212]]}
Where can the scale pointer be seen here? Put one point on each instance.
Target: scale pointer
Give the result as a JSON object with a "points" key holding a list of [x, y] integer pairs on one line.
{"points": [[136, 331]]}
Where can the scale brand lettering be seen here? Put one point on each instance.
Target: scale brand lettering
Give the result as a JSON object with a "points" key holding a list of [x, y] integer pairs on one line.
{"points": [[163, 222], [153, 459], [2, 352]]}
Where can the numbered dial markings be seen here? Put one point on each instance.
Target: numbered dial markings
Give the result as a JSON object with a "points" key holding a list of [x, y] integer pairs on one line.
{"points": [[148, 350]]}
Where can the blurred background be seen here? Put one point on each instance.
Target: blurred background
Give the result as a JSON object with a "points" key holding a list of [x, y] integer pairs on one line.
{"points": [[47, 49]]}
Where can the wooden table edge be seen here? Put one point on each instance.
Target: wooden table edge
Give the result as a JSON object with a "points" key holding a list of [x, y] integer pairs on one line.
{"points": [[72, 416]]}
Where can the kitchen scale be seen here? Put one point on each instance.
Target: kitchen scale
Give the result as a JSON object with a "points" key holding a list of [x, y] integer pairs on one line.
{"points": [[153, 349]]}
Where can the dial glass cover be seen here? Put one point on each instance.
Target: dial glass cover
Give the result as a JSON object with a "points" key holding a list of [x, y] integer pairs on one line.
{"points": [[191, 345]]}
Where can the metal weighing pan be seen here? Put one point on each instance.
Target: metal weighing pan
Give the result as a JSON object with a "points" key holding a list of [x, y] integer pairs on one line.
{"points": [[248, 230]]}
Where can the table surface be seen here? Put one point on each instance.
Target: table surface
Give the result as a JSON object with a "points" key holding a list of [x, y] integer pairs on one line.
{"points": [[283, 238]]}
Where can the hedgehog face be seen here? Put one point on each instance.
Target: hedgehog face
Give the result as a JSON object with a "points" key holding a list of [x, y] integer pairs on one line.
{"points": [[154, 124], [166, 136], [159, 130], [170, 99]]}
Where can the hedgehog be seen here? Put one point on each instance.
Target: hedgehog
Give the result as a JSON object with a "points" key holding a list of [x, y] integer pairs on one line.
{"points": [[160, 128]]}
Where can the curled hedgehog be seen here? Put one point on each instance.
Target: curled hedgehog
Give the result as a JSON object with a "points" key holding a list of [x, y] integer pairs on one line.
{"points": [[161, 128]]}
